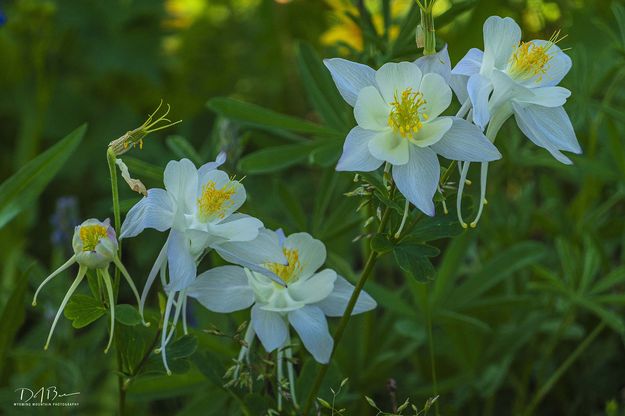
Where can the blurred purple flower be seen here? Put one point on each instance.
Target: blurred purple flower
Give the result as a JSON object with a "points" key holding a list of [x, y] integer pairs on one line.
{"points": [[63, 221]]}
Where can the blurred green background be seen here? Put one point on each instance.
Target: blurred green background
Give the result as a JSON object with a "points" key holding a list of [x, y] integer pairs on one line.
{"points": [[511, 300]]}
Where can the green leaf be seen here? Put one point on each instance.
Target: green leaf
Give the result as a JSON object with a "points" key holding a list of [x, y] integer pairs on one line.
{"points": [[20, 190], [412, 258], [257, 116], [83, 310], [320, 88], [127, 315], [497, 269], [12, 316], [183, 149], [274, 158], [435, 228], [381, 243]]}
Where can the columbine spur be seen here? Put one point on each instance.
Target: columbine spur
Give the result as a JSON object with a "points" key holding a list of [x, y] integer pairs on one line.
{"points": [[198, 208], [95, 247], [512, 77]]}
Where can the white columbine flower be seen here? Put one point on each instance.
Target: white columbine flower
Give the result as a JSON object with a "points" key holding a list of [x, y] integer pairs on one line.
{"points": [[95, 247], [304, 302], [520, 78], [198, 207], [398, 110]]}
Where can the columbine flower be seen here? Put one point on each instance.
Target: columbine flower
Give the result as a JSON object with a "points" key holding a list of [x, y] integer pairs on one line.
{"points": [[95, 247], [304, 302], [398, 110], [197, 206], [520, 78]]}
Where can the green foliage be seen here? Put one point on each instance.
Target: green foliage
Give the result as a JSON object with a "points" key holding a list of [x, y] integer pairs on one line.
{"points": [[17, 192], [507, 303]]}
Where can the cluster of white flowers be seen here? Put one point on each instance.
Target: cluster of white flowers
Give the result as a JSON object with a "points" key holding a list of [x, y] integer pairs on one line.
{"points": [[276, 274], [399, 113], [398, 109]]}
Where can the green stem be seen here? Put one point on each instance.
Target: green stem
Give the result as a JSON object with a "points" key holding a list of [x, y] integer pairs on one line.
{"points": [[429, 33], [540, 394], [371, 260], [110, 158], [428, 318]]}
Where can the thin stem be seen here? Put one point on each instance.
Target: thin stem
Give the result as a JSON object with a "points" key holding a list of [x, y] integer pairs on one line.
{"points": [[540, 394], [110, 158], [428, 317], [371, 260]]}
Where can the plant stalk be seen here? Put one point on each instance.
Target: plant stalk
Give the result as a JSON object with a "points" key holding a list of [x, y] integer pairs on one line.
{"points": [[338, 334], [542, 392]]}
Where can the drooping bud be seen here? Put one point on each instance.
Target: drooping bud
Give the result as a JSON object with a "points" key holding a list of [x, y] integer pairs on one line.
{"points": [[95, 243]]}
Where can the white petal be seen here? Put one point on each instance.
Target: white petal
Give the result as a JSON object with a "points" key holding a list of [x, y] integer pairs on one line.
{"points": [[265, 248], [436, 93], [390, 147], [350, 77], [506, 89], [153, 211], [418, 179], [549, 128], [470, 64], [182, 268], [501, 36], [207, 167], [181, 181], [336, 302], [315, 288], [393, 78], [432, 132], [458, 83], [312, 328], [356, 156], [558, 66], [547, 96], [222, 289], [270, 328], [438, 63], [370, 111], [479, 89], [236, 228], [311, 252], [465, 141]]}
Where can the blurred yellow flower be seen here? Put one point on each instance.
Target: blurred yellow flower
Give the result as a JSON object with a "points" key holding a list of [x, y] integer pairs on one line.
{"points": [[538, 13], [344, 30]]}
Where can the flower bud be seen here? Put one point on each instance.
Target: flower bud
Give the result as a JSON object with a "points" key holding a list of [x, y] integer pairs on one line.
{"points": [[94, 243]]}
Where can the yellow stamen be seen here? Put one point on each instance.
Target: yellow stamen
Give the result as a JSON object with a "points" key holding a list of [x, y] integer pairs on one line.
{"points": [[90, 236], [287, 271], [213, 202], [530, 60], [407, 113]]}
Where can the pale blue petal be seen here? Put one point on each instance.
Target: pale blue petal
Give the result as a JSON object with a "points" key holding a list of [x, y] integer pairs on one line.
{"points": [[270, 328], [350, 77], [153, 211], [464, 141], [356, 156], [312, 327], [418, 179], [223, 289]]}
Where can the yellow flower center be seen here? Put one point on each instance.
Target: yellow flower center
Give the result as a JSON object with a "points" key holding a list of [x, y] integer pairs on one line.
{"points": [[213, 202], [530, 60], [90, 236], [407, 114], [287, 271]]}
